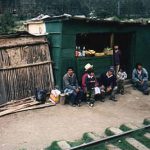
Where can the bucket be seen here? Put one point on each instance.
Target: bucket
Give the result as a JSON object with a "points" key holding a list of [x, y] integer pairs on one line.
{"points": [[62, 98]]}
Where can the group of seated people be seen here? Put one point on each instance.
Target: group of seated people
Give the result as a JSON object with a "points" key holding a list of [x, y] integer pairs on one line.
{"points": [[108, 84]]}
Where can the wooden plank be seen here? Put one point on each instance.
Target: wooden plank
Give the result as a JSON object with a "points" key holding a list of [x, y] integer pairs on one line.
{"points": [[9, 111], [40, 106], [27, 65]]}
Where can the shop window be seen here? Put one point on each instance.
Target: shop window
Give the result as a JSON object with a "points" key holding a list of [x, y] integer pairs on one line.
{"points": [[97, 42]]}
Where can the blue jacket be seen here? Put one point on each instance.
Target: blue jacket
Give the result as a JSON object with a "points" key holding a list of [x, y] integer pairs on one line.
{"points": [[140, 77]]}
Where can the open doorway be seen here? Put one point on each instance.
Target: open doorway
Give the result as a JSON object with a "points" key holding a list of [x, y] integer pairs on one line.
{"points": [[125, 43]]}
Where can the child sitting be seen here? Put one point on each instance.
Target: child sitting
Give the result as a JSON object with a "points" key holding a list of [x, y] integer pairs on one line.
{"points": [[92, 89], [121, 76]]}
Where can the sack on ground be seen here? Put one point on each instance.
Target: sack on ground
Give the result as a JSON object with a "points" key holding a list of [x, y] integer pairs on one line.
{"points": [[54, 96], [40, 95]]}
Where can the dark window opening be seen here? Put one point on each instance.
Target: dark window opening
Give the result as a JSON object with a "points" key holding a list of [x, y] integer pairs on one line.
{"points": [[93, 41]]}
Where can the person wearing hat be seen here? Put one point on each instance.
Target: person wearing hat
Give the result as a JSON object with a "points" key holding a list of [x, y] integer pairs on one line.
{"points": [[87, 67], [108, 84], [92, 87]]}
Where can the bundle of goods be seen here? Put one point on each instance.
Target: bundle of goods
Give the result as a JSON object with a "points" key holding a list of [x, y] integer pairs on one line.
{"points": [[99, 54], [90, 53], [108, 51]]}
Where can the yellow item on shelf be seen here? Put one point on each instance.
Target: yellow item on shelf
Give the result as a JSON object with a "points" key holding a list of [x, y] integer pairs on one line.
{"points": [[99, 54]]}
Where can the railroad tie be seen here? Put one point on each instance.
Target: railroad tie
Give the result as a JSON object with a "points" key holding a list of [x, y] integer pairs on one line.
{"points": [[94, 136], [136, 144], [147, 135], [114, 131], [63, 145], [131, 126], [112, 147]]}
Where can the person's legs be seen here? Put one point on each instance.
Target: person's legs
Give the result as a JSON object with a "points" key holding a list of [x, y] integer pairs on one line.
{"points": [[79, 97], [120, 85], [144, 87], [117, 67], [113, 93], [73, 98], [92, 100]]}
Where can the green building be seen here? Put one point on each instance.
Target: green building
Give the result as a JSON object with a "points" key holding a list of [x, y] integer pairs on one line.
{"points": [[65, 33]]}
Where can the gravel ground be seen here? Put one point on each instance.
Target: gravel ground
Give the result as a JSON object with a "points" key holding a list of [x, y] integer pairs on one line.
{"points": [[36, 129]]}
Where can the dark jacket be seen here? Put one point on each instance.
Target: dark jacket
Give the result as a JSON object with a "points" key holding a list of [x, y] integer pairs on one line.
{"points": [[90, 82], [116, 56], [104, 80]]}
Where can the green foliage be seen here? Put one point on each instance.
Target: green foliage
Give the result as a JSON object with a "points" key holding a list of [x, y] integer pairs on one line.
{"points": [[146, 121], [108, 132], [124, 128], [86, 138], [101, 8], [7, 23], [76, 143], [53, 146]]}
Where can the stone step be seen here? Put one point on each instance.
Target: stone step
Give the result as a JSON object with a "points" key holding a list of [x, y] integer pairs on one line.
{"points": [[114, 131], [147, 135], [93, 136], [63, 145], [112, 147], [136, 144]]}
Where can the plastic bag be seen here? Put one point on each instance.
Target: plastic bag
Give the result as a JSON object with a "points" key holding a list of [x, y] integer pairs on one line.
{"points": [[54, 96]]}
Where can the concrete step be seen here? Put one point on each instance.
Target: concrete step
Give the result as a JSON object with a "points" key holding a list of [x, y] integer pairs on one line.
{"points": [[113, 131], [94, 136], [63, 145], [147, 135], [136, 144], [112, 147]]}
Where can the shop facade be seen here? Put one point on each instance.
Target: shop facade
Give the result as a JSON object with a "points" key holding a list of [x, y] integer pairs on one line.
{"points": [[68, 35]]}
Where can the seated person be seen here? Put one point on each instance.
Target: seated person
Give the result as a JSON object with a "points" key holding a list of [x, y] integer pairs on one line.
{"points": [[92, 88], [108, 84], [71, 87], [121, 76], [87, 67], [140, 78]]}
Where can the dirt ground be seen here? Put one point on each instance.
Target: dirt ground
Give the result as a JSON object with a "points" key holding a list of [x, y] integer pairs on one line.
{"points": [[36, 129]]}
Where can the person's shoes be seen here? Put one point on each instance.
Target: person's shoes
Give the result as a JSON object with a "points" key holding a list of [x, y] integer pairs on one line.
{"points": [[91, 104], [122, 92], [102, 100], [79, 105], [113, 98], [146, 92], [73, 105]]}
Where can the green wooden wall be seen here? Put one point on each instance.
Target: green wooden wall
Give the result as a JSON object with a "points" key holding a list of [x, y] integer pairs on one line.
{"points": [[62, 35]]}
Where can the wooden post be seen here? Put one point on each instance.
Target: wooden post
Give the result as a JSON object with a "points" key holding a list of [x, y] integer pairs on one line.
{"points": [[112, 40]]}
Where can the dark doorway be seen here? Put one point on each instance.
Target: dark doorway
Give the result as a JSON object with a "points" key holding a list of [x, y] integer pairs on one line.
{"points": [[125, 43]]}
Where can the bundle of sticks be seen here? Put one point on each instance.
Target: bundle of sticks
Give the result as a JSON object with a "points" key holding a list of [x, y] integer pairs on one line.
{"points": [[21, 105]]}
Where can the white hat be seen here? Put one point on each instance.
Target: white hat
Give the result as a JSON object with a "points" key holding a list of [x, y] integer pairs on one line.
{"points": [[88, 66]]}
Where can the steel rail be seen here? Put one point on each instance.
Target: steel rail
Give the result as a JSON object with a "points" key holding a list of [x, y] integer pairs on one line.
{"points": [[108, 138]]}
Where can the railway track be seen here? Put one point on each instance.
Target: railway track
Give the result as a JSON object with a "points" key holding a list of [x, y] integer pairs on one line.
{"points": [[126, 137]]}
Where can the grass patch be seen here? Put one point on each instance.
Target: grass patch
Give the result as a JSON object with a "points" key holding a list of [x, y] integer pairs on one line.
{"points": [[108, 132], [124, 128], [86, 138], [122, 144], [76, 143], [146, 122], [53, 146], [140, 137]]}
